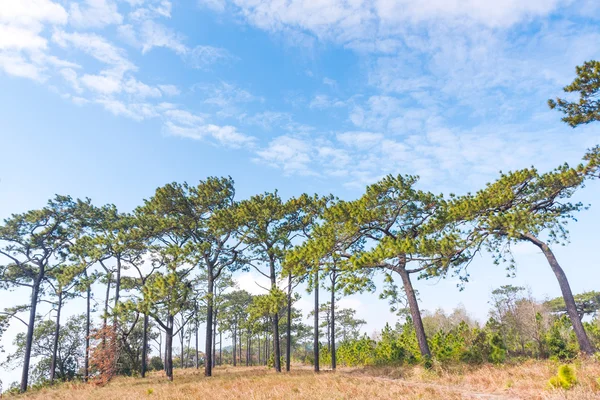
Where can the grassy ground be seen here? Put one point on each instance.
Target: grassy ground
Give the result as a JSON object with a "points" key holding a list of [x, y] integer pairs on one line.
{"points": [[523, 381]]}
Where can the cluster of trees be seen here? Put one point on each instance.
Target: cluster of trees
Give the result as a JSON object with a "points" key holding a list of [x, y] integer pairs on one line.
{"points": [[518, 327], [167, 265]]}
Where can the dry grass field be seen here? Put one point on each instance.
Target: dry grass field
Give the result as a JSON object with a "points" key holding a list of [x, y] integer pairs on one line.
{"points": [[523, 381]]}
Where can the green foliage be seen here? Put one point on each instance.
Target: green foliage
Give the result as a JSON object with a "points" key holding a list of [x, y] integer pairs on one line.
{"points": [[389, 350], [497, 352], [356, 352], [587, 84], [562, 344], [564, 379], [156, 364], [70, 349], [588, 303]]}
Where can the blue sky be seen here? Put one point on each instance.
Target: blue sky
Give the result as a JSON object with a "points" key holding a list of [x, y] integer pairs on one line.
{"points": [[111, 99]]}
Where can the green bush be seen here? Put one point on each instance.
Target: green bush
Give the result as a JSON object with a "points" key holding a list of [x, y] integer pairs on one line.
{"points": [[565, 378], [156, 364], [562, 344], [357, 352]]}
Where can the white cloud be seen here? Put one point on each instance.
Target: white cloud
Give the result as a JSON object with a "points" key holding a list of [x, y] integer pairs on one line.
{"points": [[202, 57], [94, 14], [70, 75], [323, 101], [361, 140], [161, 9], [97, 47], [253, 283], [150, 34], [32, 13], [227, 136], [351, 22], [136, 111], [498, 13], [215, 5], [169, 90], [226, 94], [329, 82], [14, 64], [292, 155], [16, 38], [104, 84], [154, 34], [140, 89], [184, 117], [22, 45]]}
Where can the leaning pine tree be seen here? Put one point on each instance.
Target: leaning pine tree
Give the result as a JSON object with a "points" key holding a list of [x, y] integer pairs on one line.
{"points": [[527, 206]]}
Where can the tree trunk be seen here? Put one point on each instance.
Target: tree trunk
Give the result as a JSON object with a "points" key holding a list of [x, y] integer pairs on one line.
{"points": [[106, 299], [197, 352], [234, 348], [333, 361], [240, 346], [316, 327], [259, 359], [584, 342], [214, 340], [209, 327], [276, 347], [169, 349], [288, 345], [35, 291], [415, 314], [221, 347], [248, 349], [145, 346], [87, 334], [56, 336], [182, 339], [117, 290]]}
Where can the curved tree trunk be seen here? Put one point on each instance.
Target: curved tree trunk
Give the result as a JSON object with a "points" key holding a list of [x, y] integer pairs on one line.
{"points": [[35, 291], [415, 313], [56, 336], [316, 322], [584, 342]]}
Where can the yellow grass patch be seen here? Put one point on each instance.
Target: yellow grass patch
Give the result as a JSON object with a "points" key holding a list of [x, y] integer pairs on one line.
{"points": [[523, 381]]}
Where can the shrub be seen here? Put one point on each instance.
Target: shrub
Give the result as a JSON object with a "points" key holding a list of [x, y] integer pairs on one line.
{"points": [[156, 364], [561, 342], [497, 349], [565, 378]]}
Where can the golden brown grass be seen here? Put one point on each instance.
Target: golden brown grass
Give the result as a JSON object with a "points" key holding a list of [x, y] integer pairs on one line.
{"points": [[523, 381]]}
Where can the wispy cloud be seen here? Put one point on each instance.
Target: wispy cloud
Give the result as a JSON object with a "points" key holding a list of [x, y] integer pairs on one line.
{"points": [[94, 14]]}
